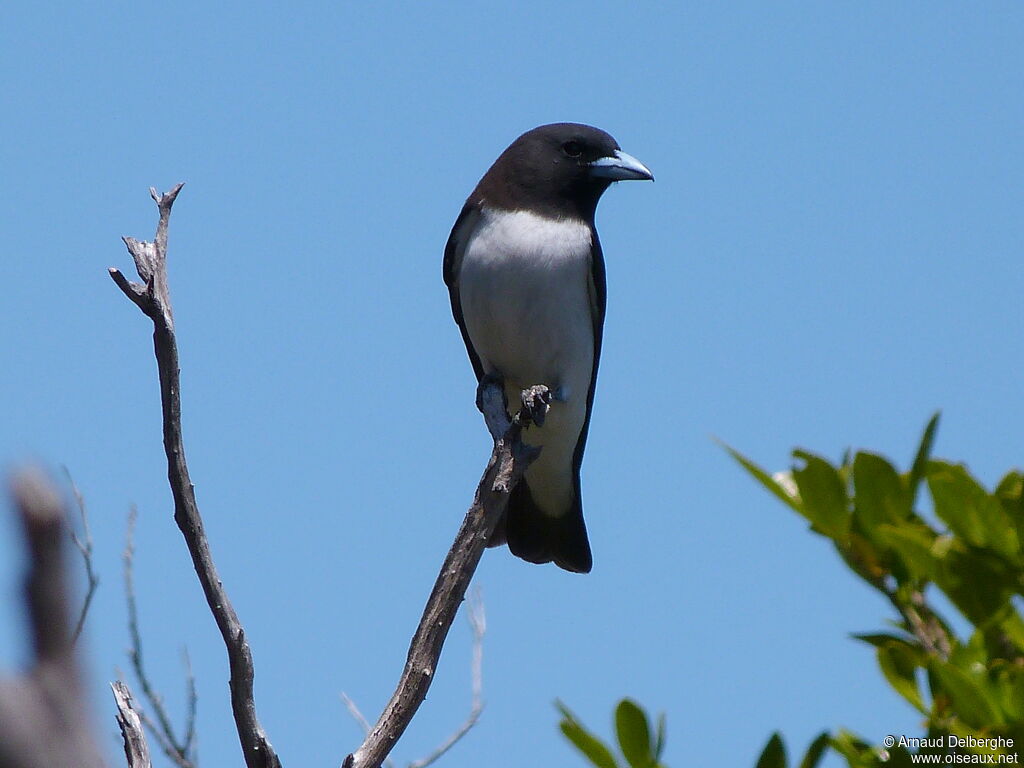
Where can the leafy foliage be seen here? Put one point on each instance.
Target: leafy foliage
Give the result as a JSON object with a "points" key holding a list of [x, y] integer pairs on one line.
{"points": [[640, 748], [969, 549], [969, 687]]}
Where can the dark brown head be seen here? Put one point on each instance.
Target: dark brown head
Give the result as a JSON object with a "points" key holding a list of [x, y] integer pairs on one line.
{"points": [[558, 170]]}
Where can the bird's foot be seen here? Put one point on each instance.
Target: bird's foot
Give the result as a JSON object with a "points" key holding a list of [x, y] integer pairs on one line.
{"points": [[489, 380], [536, 402]]}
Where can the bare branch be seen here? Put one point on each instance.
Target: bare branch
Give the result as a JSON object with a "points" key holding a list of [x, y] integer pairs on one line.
{"points": [[921, 621], [353, 709], [136, 750], [508, 461], [189, 743], [43, 715], [84, 546], [178, 750], [162, 739], [357, 715], [478, 623], [477, 618], [153, 298], [478, 626]]}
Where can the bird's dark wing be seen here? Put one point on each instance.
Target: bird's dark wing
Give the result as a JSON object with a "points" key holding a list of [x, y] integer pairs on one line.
{"points": [[598, 303], [453, 252]]}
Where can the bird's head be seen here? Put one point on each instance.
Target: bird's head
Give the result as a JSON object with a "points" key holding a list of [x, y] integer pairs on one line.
{"points": [[566, 166]]}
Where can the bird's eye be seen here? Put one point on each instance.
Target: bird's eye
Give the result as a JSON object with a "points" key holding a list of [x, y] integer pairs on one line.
{"points": [[572, 148]]}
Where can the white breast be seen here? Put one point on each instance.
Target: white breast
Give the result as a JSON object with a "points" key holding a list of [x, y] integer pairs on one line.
{"points": [[527, 237], [524, 285]]}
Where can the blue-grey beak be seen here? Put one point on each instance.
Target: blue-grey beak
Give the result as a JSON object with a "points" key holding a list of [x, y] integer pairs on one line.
{"points": [[620, 167]]}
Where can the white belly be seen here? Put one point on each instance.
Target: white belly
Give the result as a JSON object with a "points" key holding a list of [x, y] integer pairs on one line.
{"points": [[524, 285]]}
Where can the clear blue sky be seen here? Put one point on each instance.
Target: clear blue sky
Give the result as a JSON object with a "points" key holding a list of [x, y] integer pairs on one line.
{"points": [[832, 251]]}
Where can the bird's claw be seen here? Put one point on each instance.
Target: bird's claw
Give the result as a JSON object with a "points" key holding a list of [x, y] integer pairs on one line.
{"points": [[536, 402], [488, 380]]}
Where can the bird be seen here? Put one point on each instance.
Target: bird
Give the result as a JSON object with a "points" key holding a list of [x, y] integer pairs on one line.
{"points": [[526, 279]]}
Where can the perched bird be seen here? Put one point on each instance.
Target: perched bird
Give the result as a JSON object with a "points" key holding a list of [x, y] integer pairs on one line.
{"points": [[525, 274]]}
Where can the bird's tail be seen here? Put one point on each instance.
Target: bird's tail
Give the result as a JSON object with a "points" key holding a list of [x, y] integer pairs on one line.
{"points": [[538, 537]]}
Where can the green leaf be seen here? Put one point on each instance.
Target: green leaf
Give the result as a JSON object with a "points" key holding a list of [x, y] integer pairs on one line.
{"points": [[967, 654], [860, 754], [1012, 626], [780, 492], [969, 510], [774, 753], [911, 649], [899, 667], [1010, 493], [1011, 489], [823, 495], [879, 493], [924, 451], [969, 700], [634, 734], [877, 639], [586, 742], [850, 746], [863, 557], [914, 544], [977, 582], [659, 740], [816, 751], [1010, 688]]}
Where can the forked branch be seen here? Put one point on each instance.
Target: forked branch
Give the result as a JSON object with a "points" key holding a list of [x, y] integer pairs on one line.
{"points": [[152, 296], [509, 459]]}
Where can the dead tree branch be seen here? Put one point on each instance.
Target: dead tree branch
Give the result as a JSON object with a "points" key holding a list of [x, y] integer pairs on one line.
{"points": [[478, 624], [43, 715], [152, 296], [179, 751], [508, 461], [136, 750], [189, 745], [353, 709], [84, 546]]}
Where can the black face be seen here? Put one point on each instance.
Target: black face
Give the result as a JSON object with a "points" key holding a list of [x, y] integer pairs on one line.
{"points": [[549, 168]]}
